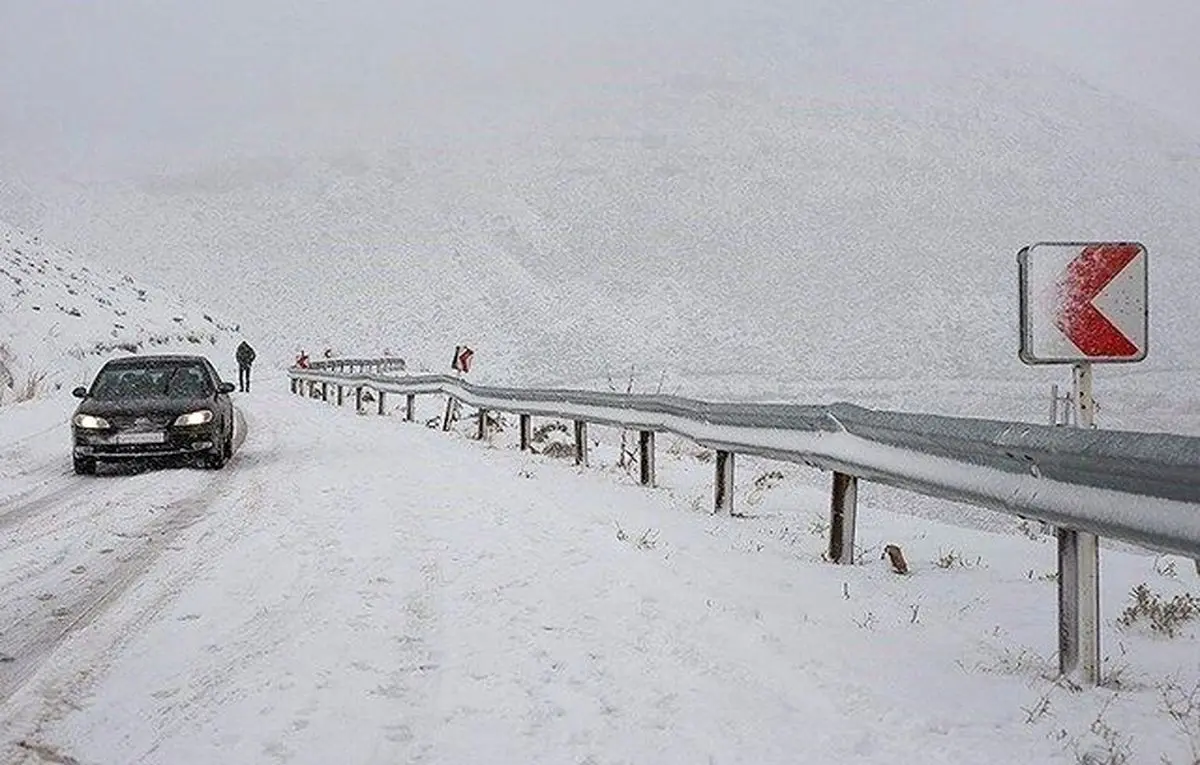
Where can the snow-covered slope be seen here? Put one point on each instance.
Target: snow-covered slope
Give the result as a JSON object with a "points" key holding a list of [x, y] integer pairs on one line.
{"points": [[60, 315], [788, 193]]}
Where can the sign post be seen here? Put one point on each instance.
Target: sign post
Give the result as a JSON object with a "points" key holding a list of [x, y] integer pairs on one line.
{"points": [[1082, 303]]}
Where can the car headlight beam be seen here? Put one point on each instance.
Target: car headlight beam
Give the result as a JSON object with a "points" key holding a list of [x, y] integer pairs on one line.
{"points": [[90, 422], [198, 417]]}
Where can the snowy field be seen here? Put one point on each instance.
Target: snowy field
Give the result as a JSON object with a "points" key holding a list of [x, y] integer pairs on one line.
{"points": [[362, 590]]}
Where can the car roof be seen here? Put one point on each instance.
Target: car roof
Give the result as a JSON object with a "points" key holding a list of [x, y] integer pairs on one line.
{"points": [[152, 359]]}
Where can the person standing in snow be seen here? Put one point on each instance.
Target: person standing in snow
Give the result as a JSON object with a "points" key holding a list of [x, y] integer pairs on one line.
{"points": [[245, 357]]}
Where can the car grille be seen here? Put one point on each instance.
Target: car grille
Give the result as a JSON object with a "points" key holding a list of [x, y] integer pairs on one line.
{"points": [[141, 422]]}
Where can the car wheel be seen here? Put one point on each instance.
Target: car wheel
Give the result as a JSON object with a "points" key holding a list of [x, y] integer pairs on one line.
{"points": [[216, 458], [220, 454], [85, 466]]}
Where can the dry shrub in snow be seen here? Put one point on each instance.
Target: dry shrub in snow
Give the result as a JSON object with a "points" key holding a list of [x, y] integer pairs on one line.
{"points": [[1164, 616], [14, 392], [953, 559], [6, 378], [1104, 746], [542, 433], [762, 484], [1183, 707], [559, 450], [31, 388], [627, 458], [647, 541], [554, 439]]}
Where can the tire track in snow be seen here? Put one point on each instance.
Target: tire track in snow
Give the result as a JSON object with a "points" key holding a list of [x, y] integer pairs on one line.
{"points": [[65, 485], [37, 500], [289, 502], [54, 695], [25, 644], [31, 464]]}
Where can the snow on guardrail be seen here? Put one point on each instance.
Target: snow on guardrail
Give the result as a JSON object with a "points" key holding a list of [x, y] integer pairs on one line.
{"points": [[1142, 488]]}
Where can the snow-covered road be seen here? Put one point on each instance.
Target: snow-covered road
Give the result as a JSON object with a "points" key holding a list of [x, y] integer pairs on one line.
{"points": [[356, 589]]}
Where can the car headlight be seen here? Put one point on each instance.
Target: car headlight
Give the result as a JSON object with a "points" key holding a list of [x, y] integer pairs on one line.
{"points": [[198, 417], [90, 422]]}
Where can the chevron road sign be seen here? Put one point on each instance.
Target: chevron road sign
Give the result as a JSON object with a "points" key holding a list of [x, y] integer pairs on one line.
{"points": [[1083, 302]]}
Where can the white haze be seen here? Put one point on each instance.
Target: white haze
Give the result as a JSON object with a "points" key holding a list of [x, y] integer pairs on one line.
{"points": [[777, 193]]}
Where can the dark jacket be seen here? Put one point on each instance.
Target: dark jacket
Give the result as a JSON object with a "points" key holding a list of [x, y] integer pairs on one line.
{"points": [[245, 354]]}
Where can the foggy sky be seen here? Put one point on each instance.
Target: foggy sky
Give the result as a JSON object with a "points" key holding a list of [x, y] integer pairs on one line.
{"points": [[108, 86]]}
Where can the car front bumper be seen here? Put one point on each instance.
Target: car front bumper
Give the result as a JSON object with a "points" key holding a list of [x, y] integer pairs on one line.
{"points": [[172, 442]]}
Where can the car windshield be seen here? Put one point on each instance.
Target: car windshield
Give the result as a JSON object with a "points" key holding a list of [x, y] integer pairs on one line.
{"points": [[159, 381]]}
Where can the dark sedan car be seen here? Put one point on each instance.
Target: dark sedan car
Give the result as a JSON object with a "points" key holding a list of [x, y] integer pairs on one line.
{"points": [[154, 407]]}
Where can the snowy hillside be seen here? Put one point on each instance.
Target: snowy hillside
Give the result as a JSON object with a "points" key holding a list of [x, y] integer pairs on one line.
{"points": [[786, 192], [60, 315]]}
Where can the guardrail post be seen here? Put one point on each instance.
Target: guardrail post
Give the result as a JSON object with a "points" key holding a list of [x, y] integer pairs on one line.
{"points": [[723, 485], [341, 392], [843, 511], [325, 391], [379, 395], [482, 433], [646, 455], [448, 416], [581, 450], [410, 404], [1079, 605], [526, 431], [357, 398]]}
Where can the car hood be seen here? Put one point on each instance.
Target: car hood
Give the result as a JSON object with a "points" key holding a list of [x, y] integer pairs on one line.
{"points": [[142, 406]]}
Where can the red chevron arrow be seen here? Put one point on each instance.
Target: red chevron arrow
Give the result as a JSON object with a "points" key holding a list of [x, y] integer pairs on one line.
{"points": [[1085, 278]]}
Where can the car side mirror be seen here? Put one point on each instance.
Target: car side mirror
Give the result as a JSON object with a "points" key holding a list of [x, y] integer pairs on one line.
{"points": [[225, 387], [79, 392]]}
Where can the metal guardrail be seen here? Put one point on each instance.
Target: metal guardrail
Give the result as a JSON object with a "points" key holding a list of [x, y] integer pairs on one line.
{"points": [[1142, 488], [388, 364]]}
